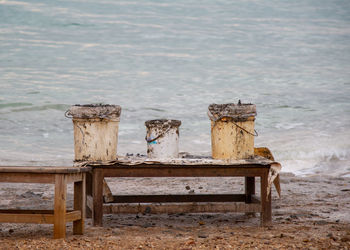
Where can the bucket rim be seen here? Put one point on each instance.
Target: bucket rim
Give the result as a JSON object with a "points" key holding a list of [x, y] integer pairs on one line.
{"points": [[91, 111], [162, 123], [237, 112], [95, 105]]}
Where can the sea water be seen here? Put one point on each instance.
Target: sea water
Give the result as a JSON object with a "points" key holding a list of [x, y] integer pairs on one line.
{"points": [[171, 59]]}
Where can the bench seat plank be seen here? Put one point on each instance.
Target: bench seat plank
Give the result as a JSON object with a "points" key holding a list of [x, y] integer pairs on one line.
{"points": [[43, 169]]}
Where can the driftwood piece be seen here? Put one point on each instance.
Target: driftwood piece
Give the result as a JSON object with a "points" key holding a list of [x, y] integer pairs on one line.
{"points": [[266, 153]]}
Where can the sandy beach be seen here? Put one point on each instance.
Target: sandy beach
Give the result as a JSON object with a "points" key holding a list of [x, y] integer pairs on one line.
{"points": [[313, 213]]}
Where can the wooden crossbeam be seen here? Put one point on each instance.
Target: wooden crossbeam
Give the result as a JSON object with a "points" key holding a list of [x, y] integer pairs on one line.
{"points": [[73, 216], [26, 218], [35, 216], [172, 208], [179, 198]]}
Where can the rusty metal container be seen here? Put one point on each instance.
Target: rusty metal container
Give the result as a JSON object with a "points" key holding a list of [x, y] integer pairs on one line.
{"points": [[232, 130]]}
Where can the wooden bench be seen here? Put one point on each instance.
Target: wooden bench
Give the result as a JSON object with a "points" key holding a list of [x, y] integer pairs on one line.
{"points": [[60, 177]]}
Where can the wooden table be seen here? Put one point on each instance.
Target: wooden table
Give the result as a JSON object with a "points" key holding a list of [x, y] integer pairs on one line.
{"points": [[59, 216], [247, 202]]}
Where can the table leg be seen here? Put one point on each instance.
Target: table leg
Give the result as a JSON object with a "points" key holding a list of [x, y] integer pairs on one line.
{"points": [[249, 189], [59, 227], [265, 215], [97, 195], [79, 204]]}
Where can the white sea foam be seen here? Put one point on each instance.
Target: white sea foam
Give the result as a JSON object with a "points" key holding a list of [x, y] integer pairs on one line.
{"points": [[288, 125]]}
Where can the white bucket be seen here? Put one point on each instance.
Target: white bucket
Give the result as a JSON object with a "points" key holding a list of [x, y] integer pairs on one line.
{"points": [[95, 131], [162, 138]]}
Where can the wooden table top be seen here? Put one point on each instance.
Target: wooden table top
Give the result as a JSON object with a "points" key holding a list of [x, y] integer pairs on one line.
{"points": [[134, 162]]}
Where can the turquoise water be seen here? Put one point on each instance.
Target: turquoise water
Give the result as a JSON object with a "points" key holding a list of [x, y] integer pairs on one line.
{"points": [[171, 59]]}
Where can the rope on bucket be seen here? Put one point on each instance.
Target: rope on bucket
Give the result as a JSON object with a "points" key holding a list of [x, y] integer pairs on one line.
{"points": [[159, 136], [67, 114], [255, 132], [250, 133]]}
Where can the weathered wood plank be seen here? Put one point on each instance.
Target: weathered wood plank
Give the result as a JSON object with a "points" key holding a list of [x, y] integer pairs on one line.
{"points": [[74, 216], [43, 169], [22, 211], [74, 177], [179, 198], [254, 161], [171, 208], [39, 218], [184, 171], [26, 177], [29, 211], [35, 216]]}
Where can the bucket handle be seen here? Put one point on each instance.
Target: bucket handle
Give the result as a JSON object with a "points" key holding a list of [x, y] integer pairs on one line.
{"points": [[67, 114], [159, 136], [255, 132]]}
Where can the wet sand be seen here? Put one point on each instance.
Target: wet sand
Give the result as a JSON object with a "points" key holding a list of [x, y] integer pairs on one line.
{"points": [[313, 213]]}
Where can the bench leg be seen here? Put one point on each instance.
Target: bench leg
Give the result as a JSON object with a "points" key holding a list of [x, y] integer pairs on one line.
{"points": [[59, 227], [97, 196], [249, 191], [265, 216], [79, 204]]}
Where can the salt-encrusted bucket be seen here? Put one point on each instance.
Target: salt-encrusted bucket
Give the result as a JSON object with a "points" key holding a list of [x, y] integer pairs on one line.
{"points": [[232, 130], [95, 131], [162, 138]]}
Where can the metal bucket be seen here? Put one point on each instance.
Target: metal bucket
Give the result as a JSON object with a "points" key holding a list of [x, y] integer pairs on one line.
{"points": [[232, 130], [162, 138], [95, 131]]}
